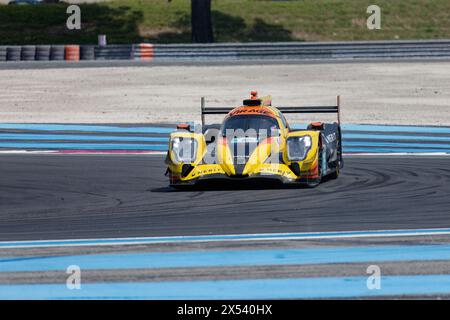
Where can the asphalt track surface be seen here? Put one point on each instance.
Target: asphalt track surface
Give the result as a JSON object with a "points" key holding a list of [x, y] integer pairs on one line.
{"points": [[62, 196]]}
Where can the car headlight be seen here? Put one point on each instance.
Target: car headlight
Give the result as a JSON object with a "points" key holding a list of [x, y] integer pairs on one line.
{"points": [[184, 149], [298, 147]]}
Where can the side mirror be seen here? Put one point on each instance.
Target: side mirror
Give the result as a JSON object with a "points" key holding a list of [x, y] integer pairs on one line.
{"points": [[184, 126]]}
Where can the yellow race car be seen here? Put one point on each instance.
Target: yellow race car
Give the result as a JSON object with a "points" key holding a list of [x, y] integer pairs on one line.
{"points": [[253, 142]]}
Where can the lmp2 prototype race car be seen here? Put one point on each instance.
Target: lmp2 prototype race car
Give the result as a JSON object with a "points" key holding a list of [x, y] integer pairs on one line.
{"points": [[253, 142]]}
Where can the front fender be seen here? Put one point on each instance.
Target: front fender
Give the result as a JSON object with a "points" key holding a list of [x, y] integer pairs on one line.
{"points": [[175, 167], [307, 167]]}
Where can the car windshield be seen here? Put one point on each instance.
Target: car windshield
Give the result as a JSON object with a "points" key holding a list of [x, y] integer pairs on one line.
{"points": [[259, 124]]}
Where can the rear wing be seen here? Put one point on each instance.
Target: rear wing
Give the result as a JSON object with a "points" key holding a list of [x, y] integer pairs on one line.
{"points": [[306, 109]]}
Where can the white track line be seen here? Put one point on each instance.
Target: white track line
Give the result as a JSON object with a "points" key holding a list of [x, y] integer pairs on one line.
{"points": [[230, 237]]}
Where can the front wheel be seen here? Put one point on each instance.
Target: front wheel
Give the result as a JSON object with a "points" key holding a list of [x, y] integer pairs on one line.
{"points": [[335, 174], [315, 182]]}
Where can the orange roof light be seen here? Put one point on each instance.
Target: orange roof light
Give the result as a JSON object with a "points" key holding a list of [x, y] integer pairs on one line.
{"points": [[254, 95]]}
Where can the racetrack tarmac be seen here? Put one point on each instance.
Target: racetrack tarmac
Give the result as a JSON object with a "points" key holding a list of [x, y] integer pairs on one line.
{"points": [[61, 196]]}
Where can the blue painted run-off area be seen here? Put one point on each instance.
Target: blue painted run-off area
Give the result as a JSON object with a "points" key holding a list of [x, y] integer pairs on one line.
{"points": [[327, 287], [223, 258], [356, 138], [284, 288]]}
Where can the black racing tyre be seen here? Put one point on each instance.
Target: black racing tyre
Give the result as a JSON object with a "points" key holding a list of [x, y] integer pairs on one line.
{"points": [[57, 52], [2, 53], [335, 174], [315, 182], [87, 52], [113, 52], [13, 53], [43, 53], [28, 53]]}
